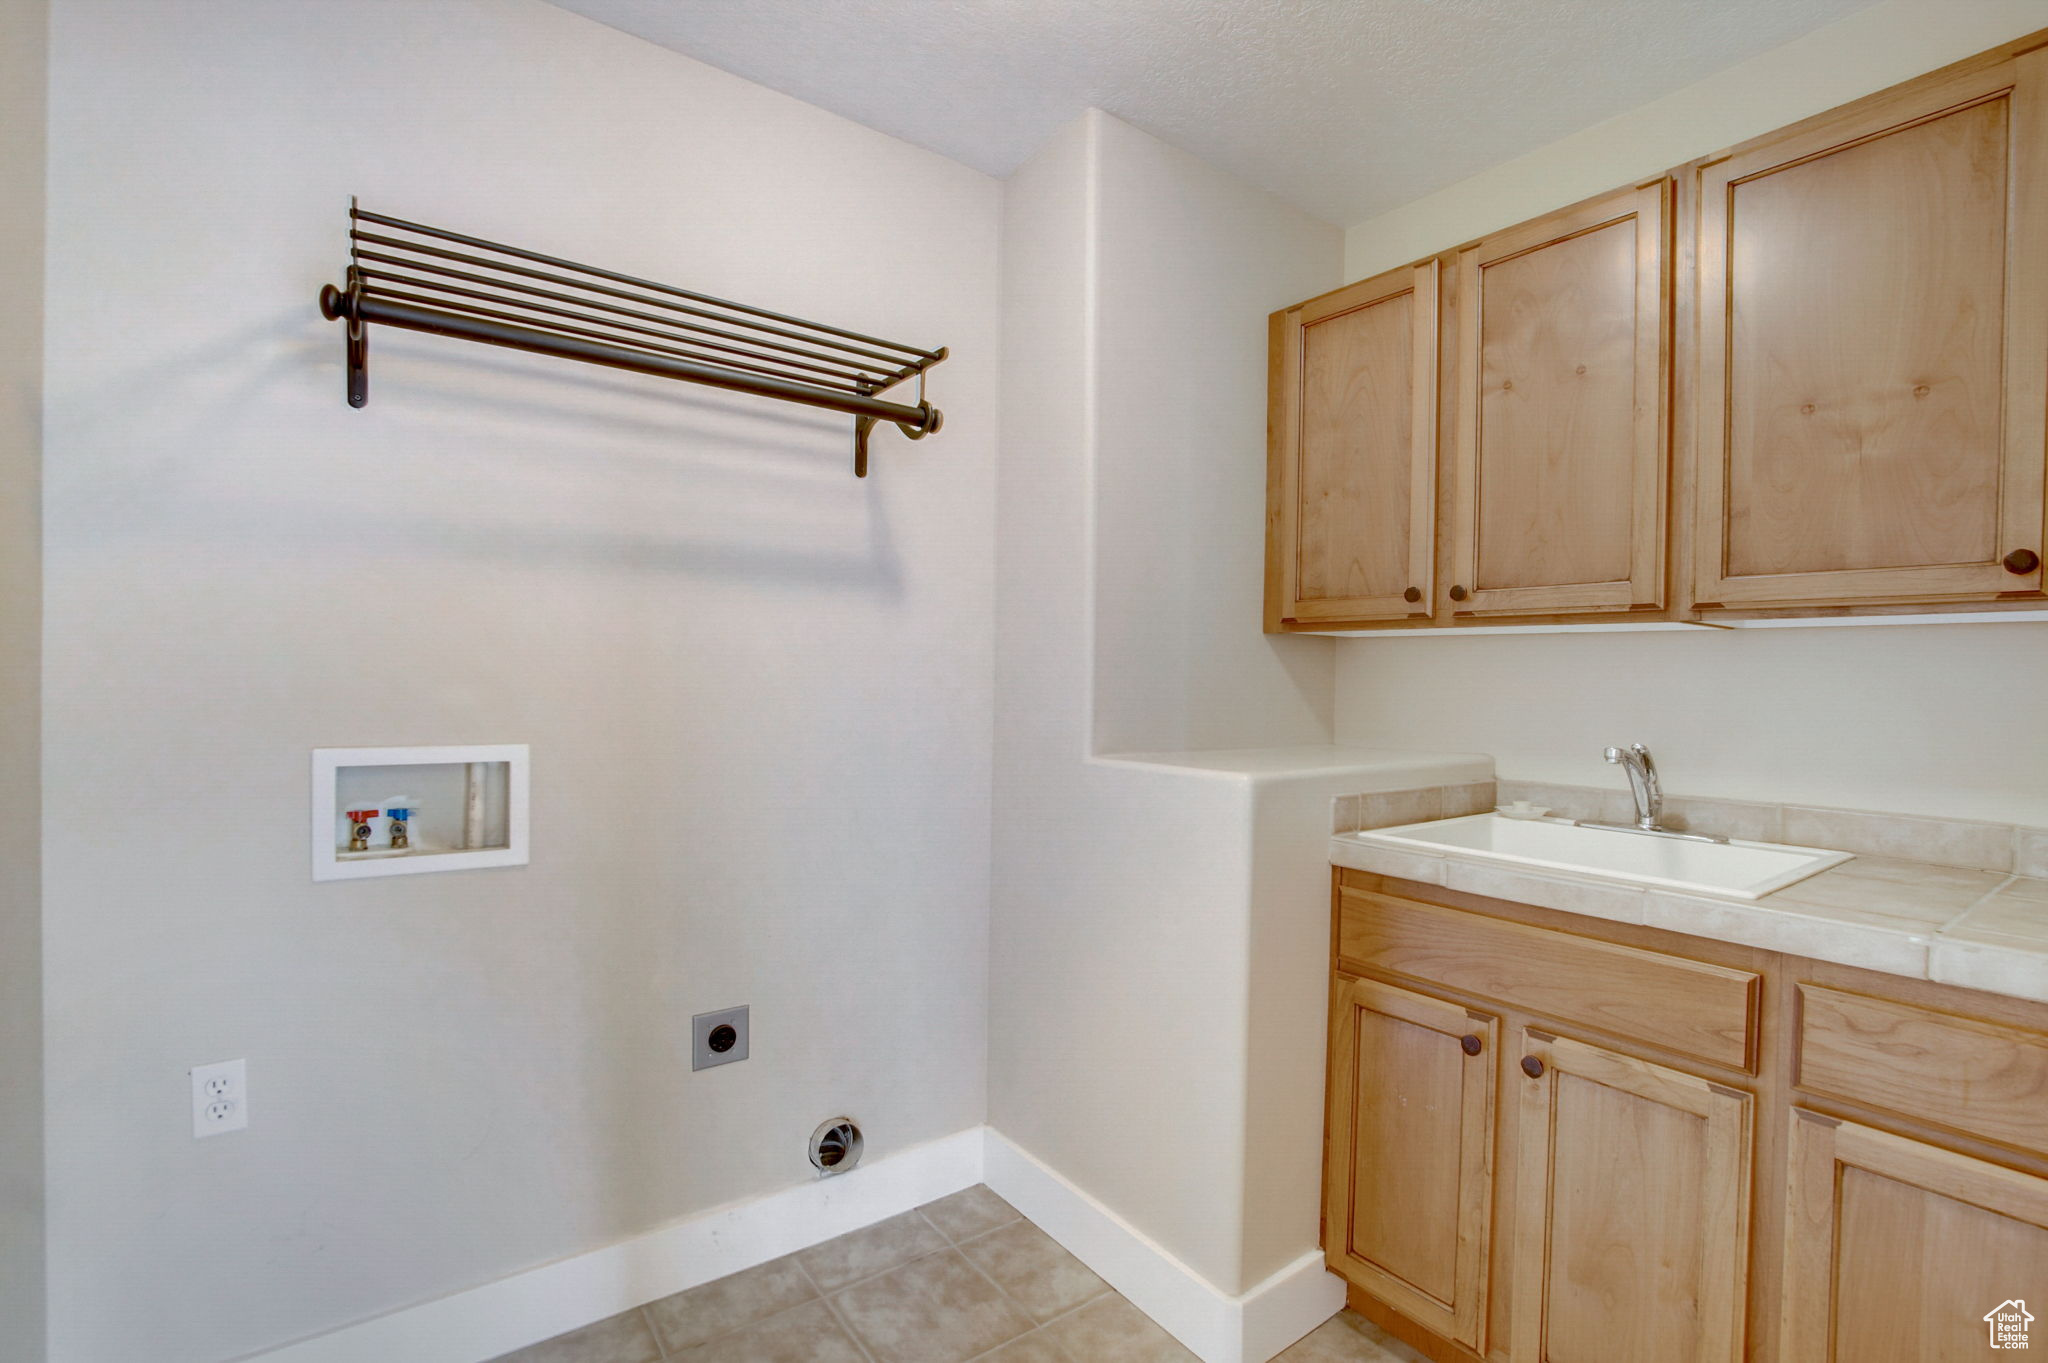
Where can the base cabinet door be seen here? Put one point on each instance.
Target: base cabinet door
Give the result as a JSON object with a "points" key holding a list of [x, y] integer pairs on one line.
{"points": [[1631, 1237], [1407, 1202], [1901, 1252]]}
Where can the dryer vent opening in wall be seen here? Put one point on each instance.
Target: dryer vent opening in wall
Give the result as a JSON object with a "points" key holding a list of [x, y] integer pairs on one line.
{"points": [[836, 1146]]}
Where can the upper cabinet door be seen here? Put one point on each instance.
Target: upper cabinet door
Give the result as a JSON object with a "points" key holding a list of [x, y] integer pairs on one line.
{"points": [[1353, 475], [1874, 351], [1563, 394]]}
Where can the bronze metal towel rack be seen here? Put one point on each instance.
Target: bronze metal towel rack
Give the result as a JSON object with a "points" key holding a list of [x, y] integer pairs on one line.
{"points": [[420, 278]]}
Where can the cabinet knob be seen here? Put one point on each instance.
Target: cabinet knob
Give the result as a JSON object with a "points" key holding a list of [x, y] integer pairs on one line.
{"points": [[1459, 593], [1470, 1043], [1532, 1067], [1412, 594], [2022, 561]]}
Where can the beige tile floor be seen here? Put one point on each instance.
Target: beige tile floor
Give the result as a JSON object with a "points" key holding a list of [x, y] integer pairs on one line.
{"points": [[961, 1280]]}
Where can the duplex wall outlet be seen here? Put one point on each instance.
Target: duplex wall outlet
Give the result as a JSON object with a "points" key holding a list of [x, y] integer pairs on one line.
{"points": [[718, 1038], [220, 1098]]}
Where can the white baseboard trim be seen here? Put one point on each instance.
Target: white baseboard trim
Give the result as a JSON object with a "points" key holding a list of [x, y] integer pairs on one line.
{"points": [[484, 1322], [1216, 1327], [1289, 1304]]}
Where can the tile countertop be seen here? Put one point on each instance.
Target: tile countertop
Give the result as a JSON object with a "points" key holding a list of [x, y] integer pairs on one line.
{"points": [[1977, 929]]}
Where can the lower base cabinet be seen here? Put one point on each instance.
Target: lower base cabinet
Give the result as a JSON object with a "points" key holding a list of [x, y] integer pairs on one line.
{"points": [[1632, 1226], [1532, 1157], [1409, 1193], [1902, 1252]]}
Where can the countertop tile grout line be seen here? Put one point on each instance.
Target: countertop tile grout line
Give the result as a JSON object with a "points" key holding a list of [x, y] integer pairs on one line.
{"points": [[1782, 901], [1978, 903], [1990, 939]]}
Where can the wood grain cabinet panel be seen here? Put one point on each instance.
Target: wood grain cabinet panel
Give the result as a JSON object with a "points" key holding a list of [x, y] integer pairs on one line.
{"points": [[1636, 1210], [1408, 1193], [1563, 395], [1352, 476], [1895, 1251], [1690, 1008], [1633, 1192], [1873, 375], [1983, 1078]]}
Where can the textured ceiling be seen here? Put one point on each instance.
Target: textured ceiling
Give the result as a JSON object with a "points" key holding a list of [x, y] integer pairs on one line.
{"points": [[1345, 107]]}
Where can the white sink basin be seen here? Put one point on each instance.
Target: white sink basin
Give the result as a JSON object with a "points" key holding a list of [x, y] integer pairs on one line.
{"points": [[1746, 870]]}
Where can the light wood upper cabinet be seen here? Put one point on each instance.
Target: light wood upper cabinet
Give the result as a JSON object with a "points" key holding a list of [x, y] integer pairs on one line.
{"points": [[1562, 415], [1806, 375], [1352, 475], [1633, 1189], [1895, 1251], [1873, 369], [1408, 1196]]}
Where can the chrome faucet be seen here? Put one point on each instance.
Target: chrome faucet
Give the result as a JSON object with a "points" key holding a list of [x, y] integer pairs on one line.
{"points": [[1642, 783]]}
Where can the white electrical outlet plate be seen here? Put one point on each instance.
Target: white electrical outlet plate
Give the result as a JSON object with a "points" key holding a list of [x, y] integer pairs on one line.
{"points": [[220, 1098]]}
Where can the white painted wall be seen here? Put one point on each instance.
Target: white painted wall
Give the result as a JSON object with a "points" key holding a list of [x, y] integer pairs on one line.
{"points": [[23, 67], [1188, 263], [1128, 893], [1934, 719], [757, 691], [1079, 957], [1924, 719]]}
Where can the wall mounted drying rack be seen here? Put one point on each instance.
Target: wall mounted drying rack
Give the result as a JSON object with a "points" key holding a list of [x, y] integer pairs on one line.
{"points": [[405, 274]]}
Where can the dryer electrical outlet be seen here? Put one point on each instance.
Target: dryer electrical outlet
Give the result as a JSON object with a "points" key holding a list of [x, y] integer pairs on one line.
{"points": [[718, 1038]]}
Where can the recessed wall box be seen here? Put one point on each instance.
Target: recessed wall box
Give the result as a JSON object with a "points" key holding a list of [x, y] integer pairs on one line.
{"points": [[402, 811]]}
